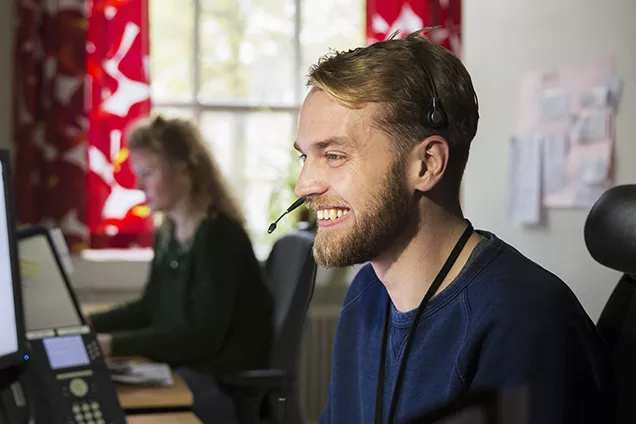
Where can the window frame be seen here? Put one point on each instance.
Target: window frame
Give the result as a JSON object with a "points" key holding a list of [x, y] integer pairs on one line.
{"points": [[198, 107]]}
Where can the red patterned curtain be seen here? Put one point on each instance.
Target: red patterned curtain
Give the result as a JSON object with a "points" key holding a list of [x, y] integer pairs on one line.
{"points": [[49, 117], [80, 77], [118, 93], [386, 16]]}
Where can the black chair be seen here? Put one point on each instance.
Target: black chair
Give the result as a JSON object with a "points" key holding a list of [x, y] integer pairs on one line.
{"points": [[610, 236], [271, 395], [482, 407]]}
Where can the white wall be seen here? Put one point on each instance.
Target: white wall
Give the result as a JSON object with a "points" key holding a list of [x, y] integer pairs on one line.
{"points": [[504, 38], [6, 70]]}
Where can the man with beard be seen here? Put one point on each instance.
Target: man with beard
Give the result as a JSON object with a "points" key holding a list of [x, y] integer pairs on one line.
{"points": [[441, 309]]}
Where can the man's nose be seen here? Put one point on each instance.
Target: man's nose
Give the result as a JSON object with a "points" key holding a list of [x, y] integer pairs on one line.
{"points": [[309, 183]]}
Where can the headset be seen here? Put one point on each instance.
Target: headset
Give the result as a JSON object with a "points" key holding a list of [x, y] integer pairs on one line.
{"points": [[436, 117]]}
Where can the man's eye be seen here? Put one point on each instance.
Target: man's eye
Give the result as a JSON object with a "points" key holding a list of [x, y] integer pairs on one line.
{"points": [[302, 158], [333, 156]]}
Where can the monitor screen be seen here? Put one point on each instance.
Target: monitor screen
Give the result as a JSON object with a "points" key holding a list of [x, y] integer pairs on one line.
{"points": [[8, 325], [48, 302]]}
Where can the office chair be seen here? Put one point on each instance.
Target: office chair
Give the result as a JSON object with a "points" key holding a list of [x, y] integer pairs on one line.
{"points": [[610, 236], [271, 395]]}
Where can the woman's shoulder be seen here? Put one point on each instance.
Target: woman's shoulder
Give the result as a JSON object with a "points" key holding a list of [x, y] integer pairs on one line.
{"points": [[220, 227], [219, 222]]}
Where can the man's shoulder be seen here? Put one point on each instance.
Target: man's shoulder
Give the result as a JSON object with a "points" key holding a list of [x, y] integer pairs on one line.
{"points": [[516, 303], [513, 286]]}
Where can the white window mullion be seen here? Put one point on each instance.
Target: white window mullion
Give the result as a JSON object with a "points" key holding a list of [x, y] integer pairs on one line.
{"points": [[239, 156], [195, 55], [298, 17]]}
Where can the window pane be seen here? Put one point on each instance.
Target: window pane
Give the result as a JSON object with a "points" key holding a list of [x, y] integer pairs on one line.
{"points": [[270, 169], [247, 52], [258, 219], [269, 146], [171, 51], [325, 24], [256, 155], [219, 129]]}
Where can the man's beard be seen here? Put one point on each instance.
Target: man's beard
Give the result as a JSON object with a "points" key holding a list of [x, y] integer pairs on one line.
{"points": [[379, 223]]}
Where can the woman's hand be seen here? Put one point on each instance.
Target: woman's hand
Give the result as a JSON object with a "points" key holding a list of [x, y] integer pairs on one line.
{"points": [[105, 341]]}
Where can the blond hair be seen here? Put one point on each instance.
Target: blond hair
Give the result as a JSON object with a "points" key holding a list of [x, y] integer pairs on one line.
{"points": [[178, 140], [398, 74]]}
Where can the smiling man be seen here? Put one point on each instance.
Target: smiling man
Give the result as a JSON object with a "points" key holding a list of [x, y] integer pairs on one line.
{"points": [[440, 309]]}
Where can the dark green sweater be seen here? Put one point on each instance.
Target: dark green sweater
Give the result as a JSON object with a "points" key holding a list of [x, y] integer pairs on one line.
{"points": [[206, 308]]}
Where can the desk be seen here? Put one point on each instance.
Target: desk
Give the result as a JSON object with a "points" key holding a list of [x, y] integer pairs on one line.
{"points": [[178, 418], [177, 396]]}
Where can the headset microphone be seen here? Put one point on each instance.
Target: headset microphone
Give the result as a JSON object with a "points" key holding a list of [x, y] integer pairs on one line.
{"points": [[293, 206]]}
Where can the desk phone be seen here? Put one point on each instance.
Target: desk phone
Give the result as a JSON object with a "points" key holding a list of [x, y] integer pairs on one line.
{"points": [[68, 379]]}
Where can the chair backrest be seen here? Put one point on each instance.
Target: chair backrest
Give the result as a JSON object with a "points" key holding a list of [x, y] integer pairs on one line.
{"points": [[291, 274], [610, 236]]}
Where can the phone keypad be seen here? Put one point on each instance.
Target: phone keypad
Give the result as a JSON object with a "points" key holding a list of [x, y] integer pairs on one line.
{"points": [[88, 413]]}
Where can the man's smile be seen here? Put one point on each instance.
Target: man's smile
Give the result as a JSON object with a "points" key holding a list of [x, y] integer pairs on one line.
{"points": [[328, 217]]}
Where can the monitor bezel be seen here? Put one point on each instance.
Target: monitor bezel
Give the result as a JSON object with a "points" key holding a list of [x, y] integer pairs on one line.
{"points": [[19, 356], [38, 230]]}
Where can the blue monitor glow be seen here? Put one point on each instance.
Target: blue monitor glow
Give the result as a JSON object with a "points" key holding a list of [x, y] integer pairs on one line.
{"points": [[12, 344]]}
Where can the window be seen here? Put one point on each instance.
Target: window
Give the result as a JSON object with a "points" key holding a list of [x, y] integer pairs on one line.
{"points": [[237, 68]]}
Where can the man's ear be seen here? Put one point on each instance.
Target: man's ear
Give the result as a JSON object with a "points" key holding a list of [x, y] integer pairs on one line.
{"points": [[427, 163]]}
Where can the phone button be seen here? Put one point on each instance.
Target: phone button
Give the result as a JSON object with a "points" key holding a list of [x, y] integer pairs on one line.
{"points": [[78, 387]]}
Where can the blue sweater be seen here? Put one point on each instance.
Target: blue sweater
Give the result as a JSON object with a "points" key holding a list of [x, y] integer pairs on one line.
{"points": [[504, 322]]}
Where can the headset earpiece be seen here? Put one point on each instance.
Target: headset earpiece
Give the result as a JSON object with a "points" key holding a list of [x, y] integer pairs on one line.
{"points": [[436, 116]]}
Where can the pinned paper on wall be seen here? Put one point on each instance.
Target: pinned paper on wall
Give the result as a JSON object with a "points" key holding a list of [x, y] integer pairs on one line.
{"points": [[587, 194], [596, 98], [555, 105], [591, 126], [554, 154], [525, 181], [594, 170], [615, 85], [568, 113]]}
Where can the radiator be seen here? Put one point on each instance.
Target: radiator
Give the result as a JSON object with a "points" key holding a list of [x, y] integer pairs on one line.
{"points": [[315, 359]]}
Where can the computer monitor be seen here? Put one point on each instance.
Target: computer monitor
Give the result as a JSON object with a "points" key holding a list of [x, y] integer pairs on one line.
{"points": [[48, 297], [12, 340]]}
